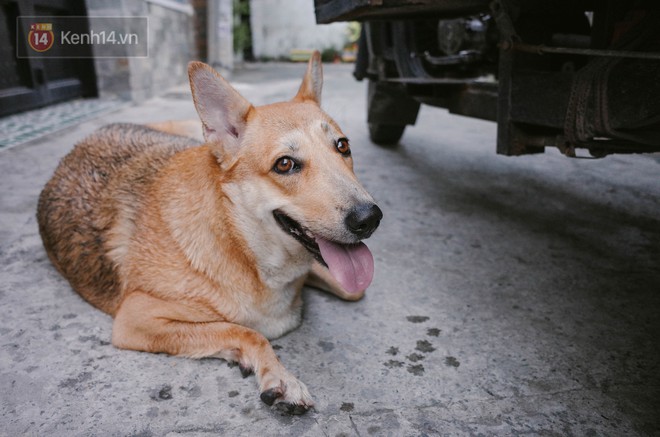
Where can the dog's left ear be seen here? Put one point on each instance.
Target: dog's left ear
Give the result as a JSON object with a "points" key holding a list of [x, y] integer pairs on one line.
{"points": [[222, 110], [310, 89]]}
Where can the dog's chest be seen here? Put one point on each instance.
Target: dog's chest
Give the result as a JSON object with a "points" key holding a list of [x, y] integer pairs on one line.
{"points": [[279, 311]]}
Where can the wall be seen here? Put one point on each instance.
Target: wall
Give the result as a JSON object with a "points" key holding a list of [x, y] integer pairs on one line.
{"points": [[278, 26], [171, 47]]}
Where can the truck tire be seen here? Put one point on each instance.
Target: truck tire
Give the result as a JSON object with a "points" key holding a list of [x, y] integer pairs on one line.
{"points": [[389, 110], [386, 134]]}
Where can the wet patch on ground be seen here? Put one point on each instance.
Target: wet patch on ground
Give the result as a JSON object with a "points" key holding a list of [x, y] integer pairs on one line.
{"points": [[414, 357], [391, 364], [417, 319], [416, 369], [347, 407], [75, 383], [421, 350], [424, 346], [162, 393], [326, 346]]}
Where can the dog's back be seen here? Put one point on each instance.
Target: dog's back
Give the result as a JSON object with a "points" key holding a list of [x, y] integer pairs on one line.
{"points": [[97, 186]]}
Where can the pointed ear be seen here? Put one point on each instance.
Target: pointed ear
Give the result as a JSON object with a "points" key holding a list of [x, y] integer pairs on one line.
{"points": [[222, 110], [310, 89]]}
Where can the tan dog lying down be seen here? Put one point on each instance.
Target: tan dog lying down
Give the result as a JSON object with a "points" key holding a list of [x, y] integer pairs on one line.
{"points": [[202, 250]]}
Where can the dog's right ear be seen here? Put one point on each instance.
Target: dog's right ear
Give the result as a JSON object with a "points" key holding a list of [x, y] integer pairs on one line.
{"points": [[222, 110]]}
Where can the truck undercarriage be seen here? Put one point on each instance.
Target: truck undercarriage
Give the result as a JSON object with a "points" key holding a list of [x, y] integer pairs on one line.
{"points": [[575, 75]]}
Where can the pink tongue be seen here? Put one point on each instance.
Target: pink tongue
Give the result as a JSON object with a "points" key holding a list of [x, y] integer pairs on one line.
{"points": [[352, 265]]}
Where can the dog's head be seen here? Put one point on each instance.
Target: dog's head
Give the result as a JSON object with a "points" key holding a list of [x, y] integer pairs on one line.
{"points": [[291, 166]]}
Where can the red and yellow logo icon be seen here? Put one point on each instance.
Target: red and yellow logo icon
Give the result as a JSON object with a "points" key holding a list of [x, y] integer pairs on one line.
{"points": [[41, 36]]}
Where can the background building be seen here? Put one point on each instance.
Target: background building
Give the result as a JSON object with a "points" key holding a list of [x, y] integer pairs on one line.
{"points": [[280, 26], [220, 32]]}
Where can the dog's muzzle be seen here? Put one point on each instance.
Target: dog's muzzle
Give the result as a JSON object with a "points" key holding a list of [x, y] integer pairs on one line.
{"points": [[351, 264]]}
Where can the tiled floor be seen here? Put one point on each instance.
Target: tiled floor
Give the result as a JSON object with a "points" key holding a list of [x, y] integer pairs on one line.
{"points": [[20, 128]]}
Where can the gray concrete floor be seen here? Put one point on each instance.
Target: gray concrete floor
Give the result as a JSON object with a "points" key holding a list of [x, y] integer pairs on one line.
{"points": [[512, 296]]}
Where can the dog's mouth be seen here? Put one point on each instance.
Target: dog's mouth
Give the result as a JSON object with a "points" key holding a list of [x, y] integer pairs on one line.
{"points": [[352, 265], [295, 229]]}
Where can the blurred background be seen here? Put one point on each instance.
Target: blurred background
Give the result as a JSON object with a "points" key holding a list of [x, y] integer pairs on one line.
{"points": [[223, 33]]}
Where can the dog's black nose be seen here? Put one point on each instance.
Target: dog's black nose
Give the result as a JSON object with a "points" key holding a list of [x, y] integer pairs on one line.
{"points": [[364, 219]]}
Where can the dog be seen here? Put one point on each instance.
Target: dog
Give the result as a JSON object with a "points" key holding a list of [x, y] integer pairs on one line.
{"points": [[201, 250]]}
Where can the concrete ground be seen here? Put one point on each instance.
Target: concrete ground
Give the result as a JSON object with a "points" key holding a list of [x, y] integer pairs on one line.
{"points": [[512, 296]]}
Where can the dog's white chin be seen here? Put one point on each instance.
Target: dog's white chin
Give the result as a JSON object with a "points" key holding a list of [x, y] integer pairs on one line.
{"points": [[352, 265]]}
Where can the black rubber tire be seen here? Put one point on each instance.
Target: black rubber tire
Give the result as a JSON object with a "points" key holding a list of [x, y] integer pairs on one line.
{"points": [[386, 134], [389, 110]]}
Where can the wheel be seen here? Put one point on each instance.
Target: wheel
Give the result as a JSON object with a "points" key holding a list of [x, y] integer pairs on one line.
{"points": [[389, 110], [386, 134]]}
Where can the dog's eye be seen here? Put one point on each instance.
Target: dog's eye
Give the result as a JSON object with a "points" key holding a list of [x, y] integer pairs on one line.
{"points": [[343, 147], [286, 165]]}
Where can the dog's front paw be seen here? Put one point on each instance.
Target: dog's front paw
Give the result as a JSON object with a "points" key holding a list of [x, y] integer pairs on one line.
{"points": [[287, 394]]}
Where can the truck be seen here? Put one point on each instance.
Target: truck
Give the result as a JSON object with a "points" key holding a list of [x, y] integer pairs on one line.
{"points": [[582, 76]]}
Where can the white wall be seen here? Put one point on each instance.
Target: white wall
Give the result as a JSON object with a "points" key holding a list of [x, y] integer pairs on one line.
{"points": [[281, 25]]}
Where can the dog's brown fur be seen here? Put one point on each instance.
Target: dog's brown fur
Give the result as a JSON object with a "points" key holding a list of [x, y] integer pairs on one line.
{"points": [[175, 241]]}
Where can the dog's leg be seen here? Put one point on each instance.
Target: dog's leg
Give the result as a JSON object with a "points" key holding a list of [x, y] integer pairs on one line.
{"points": [[320, 277], [146, 323]]}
